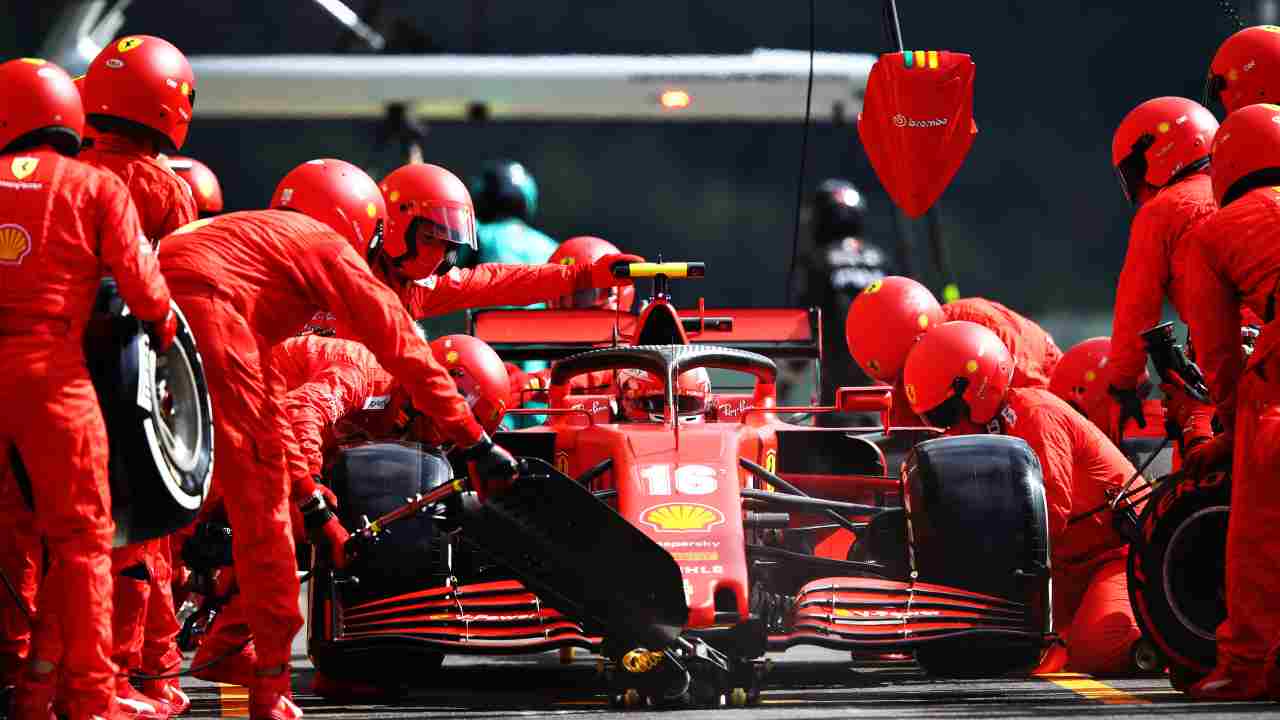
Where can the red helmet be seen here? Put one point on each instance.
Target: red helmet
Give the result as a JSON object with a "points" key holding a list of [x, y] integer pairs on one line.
{"points": [[429, 211], [1159, 141], [1247, 144], [340, 195], [37, 96], [479, 374], [958, 371], [584, 250], [1246, 69], [203, 183], [644, 398], [885, 320], [146, 81]]}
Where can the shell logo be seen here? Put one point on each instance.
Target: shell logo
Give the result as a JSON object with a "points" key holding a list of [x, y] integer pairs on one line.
{"points": [[15, 244], [451, 356], [682, 517]]}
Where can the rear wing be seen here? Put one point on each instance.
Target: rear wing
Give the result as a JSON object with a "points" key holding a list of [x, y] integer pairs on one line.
{"points": [[555, 334]]}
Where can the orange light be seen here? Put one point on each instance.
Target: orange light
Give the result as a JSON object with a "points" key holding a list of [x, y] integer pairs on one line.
{"points": [[675, 99]]}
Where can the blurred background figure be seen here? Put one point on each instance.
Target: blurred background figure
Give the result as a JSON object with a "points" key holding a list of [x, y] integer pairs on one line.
{"points": [[841, 264], [506, 200]]}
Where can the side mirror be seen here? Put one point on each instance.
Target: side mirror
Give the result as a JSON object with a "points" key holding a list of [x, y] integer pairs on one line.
{"points": [[876, 399]]}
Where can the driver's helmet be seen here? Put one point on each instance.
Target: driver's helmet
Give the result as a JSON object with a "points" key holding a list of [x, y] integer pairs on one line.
{"points": [[644, 399]]}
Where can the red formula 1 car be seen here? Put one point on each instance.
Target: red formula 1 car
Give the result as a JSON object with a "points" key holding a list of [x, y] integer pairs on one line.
{"points": [[684, 548]]}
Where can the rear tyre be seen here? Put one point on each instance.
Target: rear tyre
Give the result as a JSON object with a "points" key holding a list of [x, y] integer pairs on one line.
{"points": [[1177, 578]]}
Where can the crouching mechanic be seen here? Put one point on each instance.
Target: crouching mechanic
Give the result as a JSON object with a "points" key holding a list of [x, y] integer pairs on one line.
{"points": [[1080, 379], [248, 281], [1236, 266], [1160, 153], [430, 220], [338, 393], [958, 377], [138, 94], [63, 225], [887, 319]]}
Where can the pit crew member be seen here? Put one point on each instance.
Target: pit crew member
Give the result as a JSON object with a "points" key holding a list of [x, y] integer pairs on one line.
{"points": [[958, 376]]}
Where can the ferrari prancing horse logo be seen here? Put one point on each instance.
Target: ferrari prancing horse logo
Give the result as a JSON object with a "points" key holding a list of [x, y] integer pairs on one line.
{"points": [[21, 167]]}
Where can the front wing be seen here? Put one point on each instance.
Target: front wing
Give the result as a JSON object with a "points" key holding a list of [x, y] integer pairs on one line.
{"points": [[503, 617]]}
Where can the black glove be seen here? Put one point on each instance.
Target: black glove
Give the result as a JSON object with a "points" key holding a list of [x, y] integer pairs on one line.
{"points": [[1129, 404], [490, 466]]}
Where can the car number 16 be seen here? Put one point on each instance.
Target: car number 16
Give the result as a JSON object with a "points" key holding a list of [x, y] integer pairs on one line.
{"points": [[689, 479]]}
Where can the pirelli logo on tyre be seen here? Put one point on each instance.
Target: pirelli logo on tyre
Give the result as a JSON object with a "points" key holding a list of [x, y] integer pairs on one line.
{"points": [[682, 517]]}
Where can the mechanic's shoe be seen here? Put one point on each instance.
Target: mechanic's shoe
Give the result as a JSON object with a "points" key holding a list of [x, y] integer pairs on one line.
{"points": [[235, 669], [168, 691], [271, 697], [331, 688], [132, 704], [33, 696], [1231, 683]]}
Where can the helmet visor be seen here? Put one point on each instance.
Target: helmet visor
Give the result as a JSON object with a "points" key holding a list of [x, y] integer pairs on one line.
{"points": [[685, 404], [446, 225], [1132, 170]]}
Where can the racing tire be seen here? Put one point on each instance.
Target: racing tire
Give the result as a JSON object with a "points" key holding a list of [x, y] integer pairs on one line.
{"points": [[948, 483], [159, 421], [1177, 574], [372, 479]]}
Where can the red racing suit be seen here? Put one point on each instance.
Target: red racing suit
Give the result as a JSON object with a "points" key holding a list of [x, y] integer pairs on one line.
{"points": [[144, 632], [1236, 263], [21, 562], [247, 281], [63, 225], [327, 379], [1155, 267], [485, 285], [163, 200], [1091, 608], [1034, 352]]}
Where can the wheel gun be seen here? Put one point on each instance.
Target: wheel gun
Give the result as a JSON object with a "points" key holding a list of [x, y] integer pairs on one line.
{"points": [[1172, 363]]}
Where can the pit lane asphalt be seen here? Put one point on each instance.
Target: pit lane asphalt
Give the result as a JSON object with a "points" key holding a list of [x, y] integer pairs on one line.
{"points": [[806, 683]]}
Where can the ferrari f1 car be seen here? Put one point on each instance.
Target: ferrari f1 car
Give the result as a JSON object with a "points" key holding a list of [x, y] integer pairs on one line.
{"points": [[684, 548]]}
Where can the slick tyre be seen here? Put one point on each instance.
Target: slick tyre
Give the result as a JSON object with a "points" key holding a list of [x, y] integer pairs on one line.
{"points": [[948, 483], [1177, 573], [159, 421]]}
